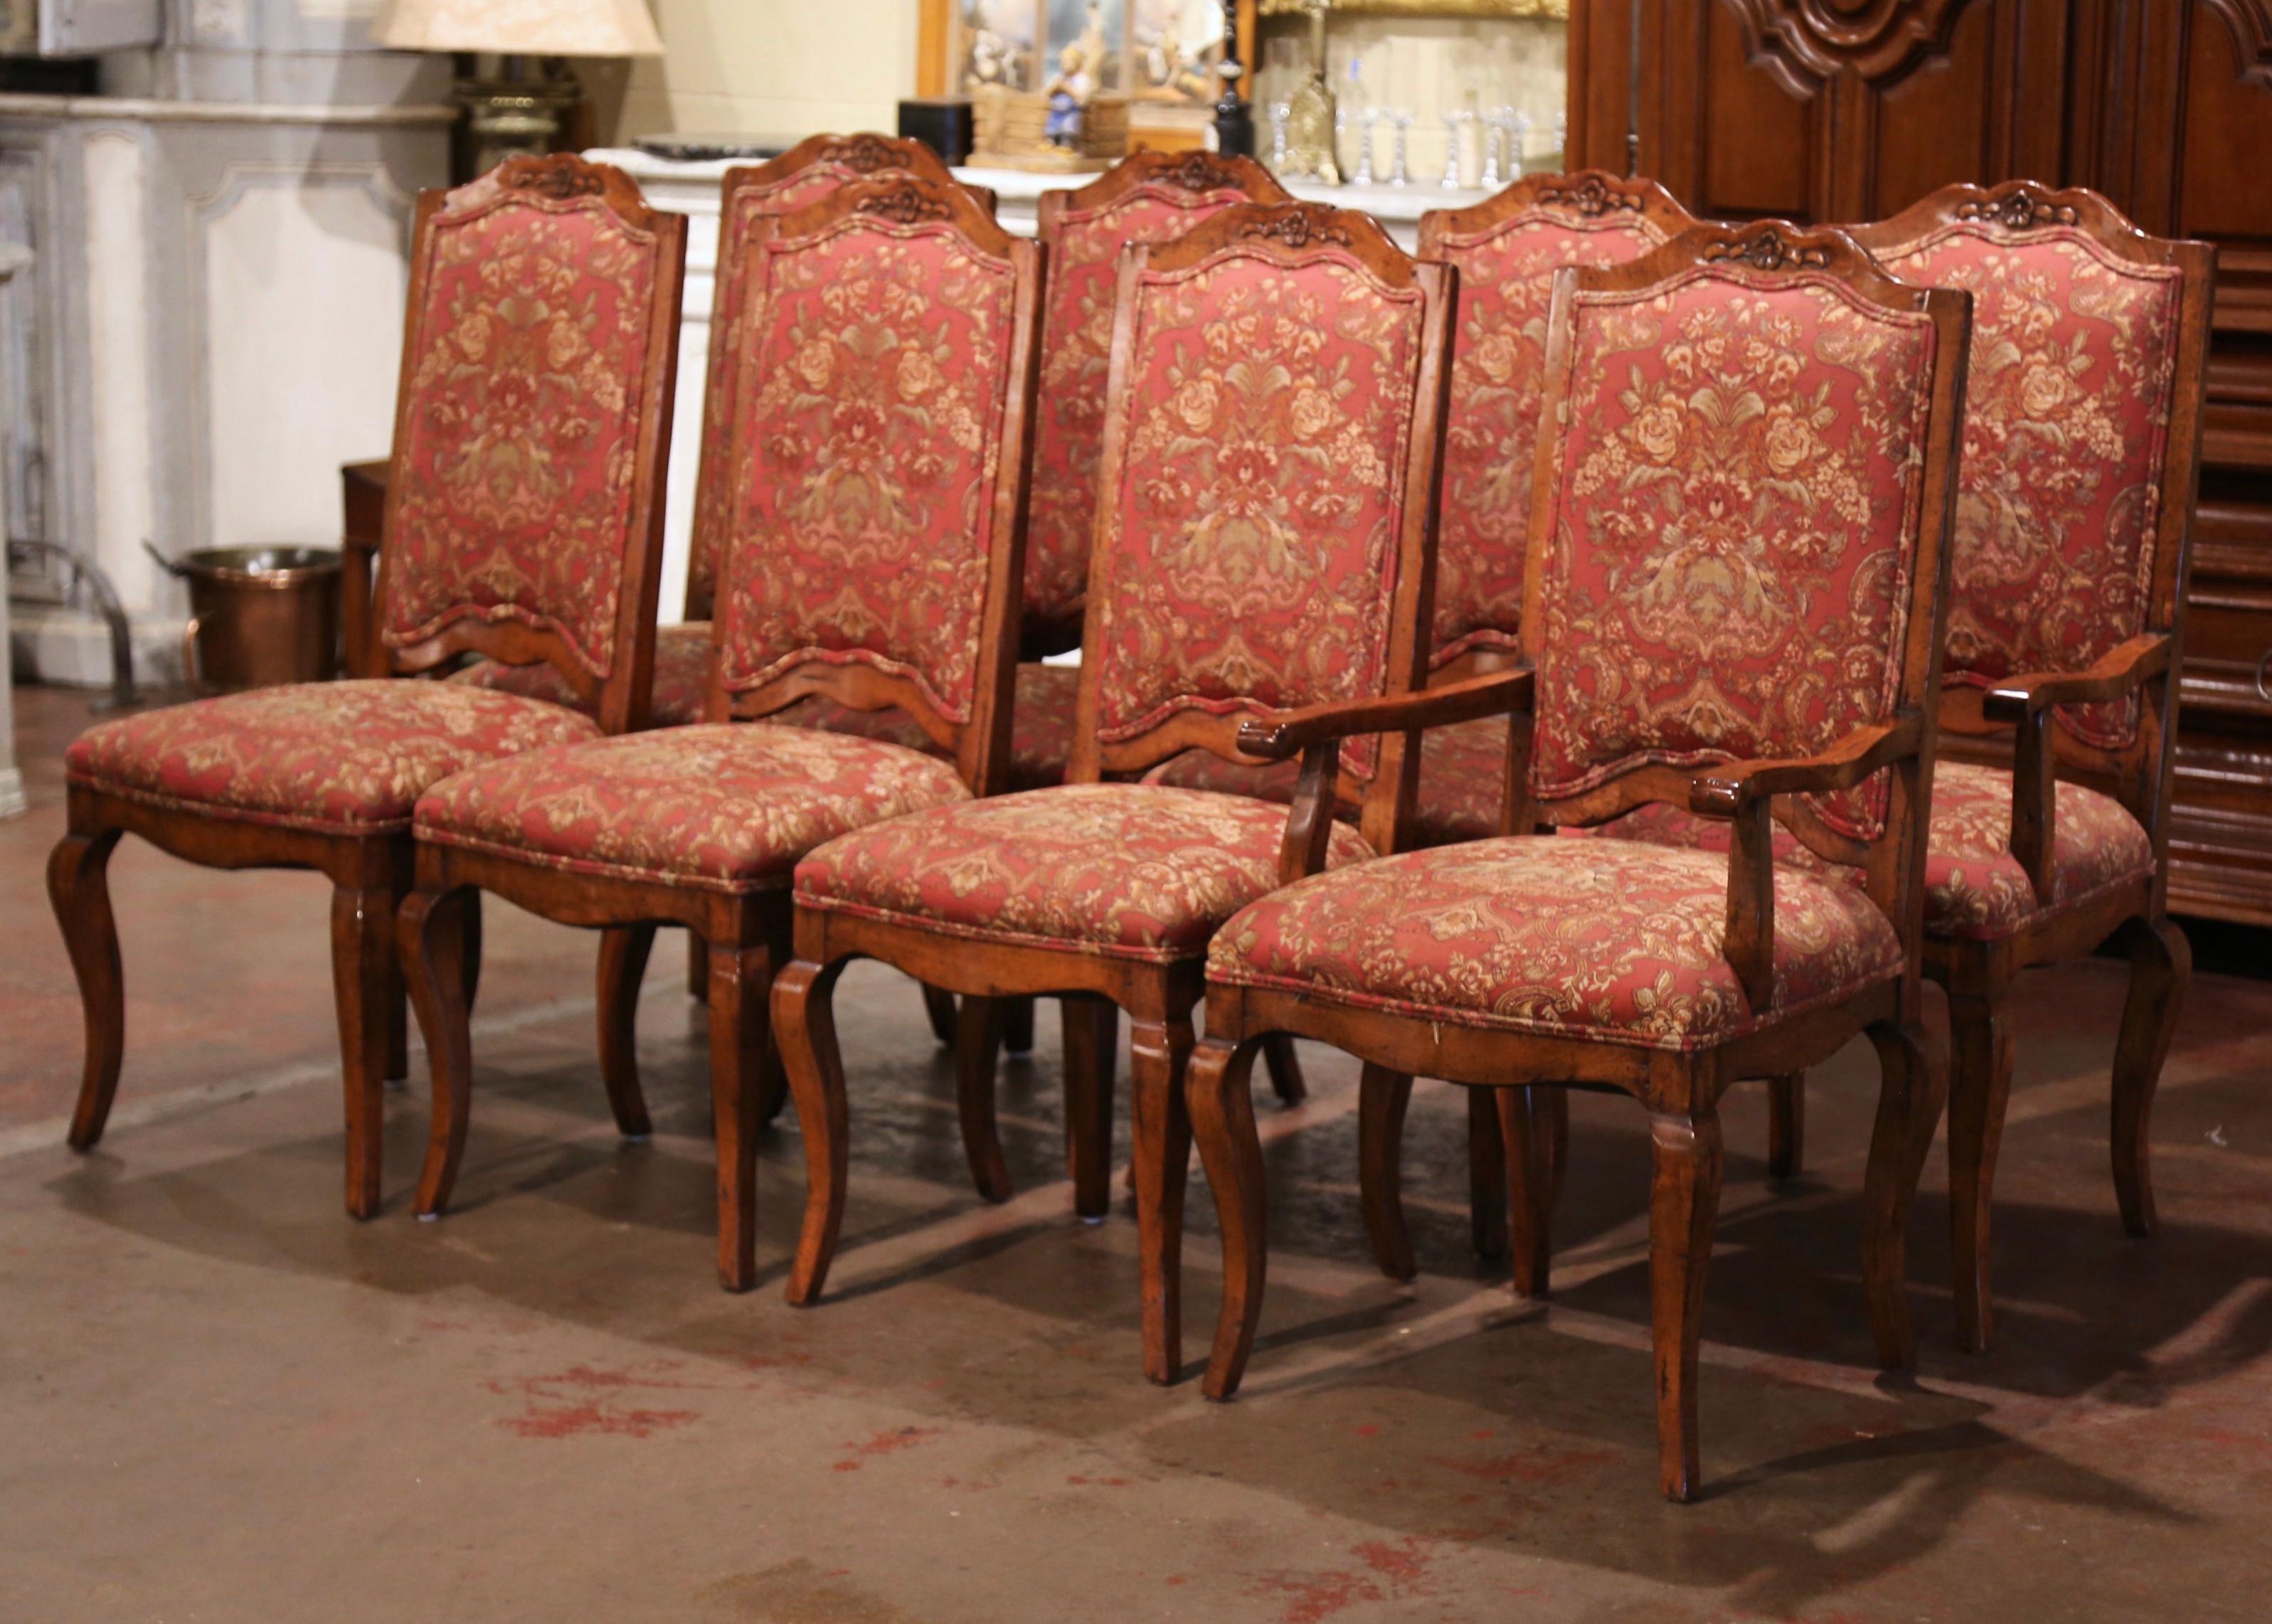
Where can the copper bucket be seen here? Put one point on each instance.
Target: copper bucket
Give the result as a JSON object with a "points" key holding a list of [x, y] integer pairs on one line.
{"points": [[260, 616]]}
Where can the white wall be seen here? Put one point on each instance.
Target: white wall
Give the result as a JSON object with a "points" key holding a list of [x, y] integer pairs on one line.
{"points": [[768, 67]]}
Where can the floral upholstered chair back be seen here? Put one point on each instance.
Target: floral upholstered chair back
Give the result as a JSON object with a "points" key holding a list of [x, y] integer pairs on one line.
{"points": [[875, 544], [1145, 198], [1506, 250], [524, 506], [2081, 442], [1743, 481], [806, 175], [1269, 469]]}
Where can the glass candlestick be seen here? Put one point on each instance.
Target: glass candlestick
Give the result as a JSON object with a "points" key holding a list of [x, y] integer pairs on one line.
{"points": [[1368, 119], [1495, 124], [1280, 112], [1517, 144], [1403, 119], [1454, 121]]}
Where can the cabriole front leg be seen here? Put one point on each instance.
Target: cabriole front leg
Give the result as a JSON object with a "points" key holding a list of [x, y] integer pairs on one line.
{"points": [[79, 889]]}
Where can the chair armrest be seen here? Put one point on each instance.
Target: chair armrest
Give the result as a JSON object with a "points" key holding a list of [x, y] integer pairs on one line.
{"points": [[2118, 674], [1727, 790], [1744, 792], [1289, 733], [2027, 702]]}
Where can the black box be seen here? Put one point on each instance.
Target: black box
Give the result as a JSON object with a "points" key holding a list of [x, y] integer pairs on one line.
{"points": [[941, 122]]}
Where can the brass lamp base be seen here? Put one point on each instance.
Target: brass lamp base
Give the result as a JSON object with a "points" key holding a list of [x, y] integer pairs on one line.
{"points": [[505, 117]]}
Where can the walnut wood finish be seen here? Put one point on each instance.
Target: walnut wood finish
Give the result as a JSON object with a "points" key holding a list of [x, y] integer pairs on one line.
{"points": [[1979, 975], [1680, 1090], [370, 874], [746, 933], [1847, 112], [1158, 998]]}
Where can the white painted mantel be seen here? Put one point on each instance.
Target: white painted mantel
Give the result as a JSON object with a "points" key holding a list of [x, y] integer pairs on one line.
{"points": [[12, 259], [689, 187], [213, 326]]}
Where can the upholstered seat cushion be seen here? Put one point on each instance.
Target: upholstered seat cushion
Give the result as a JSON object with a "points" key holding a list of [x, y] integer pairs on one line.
{"points": [[1975, 888], [727, 806], [1613, 941], [1040, 727], [347, 758], [682, 670], [1129, 871]]}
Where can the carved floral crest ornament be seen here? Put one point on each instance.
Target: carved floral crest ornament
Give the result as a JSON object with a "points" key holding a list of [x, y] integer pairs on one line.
{"points": [[1299, 226], [2018, 210], [1767, 250]]}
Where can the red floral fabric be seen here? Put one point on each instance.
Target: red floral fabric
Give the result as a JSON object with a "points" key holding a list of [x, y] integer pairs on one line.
{"points": [[520, 428], [682, 670], [722, 806], [874, 434], [1122, 869], [1608, 941], [1490, 436], [1041, 724], [1737, 511], [339, 758], [2066, 413], [1076, 358], [713, 487], [1974, 887], [1255, 527]]}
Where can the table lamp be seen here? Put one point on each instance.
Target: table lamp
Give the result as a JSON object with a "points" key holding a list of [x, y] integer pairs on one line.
{"points": [[518, 111]]}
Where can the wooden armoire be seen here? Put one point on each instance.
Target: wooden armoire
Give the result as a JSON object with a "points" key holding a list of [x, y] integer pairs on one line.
{"points": [[1850, 110]]}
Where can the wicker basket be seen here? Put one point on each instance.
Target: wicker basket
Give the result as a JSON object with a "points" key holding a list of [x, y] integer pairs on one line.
{"points": [[1012, 133]]}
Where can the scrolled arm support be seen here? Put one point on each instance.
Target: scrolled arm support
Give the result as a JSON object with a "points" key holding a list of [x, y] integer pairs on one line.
{"points": [[1743, 793], [1315, 734], [2026, 703]]}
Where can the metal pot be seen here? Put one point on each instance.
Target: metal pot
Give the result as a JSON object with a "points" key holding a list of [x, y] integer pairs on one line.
{"points": [[260, 616]]}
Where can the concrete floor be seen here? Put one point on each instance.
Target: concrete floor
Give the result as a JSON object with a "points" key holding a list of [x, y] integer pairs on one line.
{"points": [[220, 1399]]}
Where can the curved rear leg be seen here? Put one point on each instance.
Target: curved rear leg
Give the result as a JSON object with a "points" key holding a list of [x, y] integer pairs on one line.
{"points": [[1382, 1096], [1285, 1067], [624, 950], [2160, 965], [367, 993], [1018, 1025], [1092, 1056], [1684, 1199], [1221, 1113], [1159, 1052], [741, 1021], [804, 1028], [1979, 1084], [1487, 1192], [1528, 1126], [1909, 1109], [431, 939], [939, 1008], [1786, 1125], [977, 1047], [79, 889]]}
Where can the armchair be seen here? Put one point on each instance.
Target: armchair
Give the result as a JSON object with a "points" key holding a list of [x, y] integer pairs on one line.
{"points": [[1746, 465]]}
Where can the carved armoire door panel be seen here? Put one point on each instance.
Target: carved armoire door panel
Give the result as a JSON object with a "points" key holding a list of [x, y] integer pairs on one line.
{"points": [[1849, 109]]}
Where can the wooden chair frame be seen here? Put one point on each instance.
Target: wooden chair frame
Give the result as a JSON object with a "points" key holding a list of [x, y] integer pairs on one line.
{"points": [[2018, 713], [1158, 997], [746, 933], [371, 873], [1091, 1030], [1680, 1090]]}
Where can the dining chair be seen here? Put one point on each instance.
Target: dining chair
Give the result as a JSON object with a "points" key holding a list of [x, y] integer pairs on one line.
{"points": [[2050, 836], [1734, 600], [1261, 543], [873, 559], [523, 521]]}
